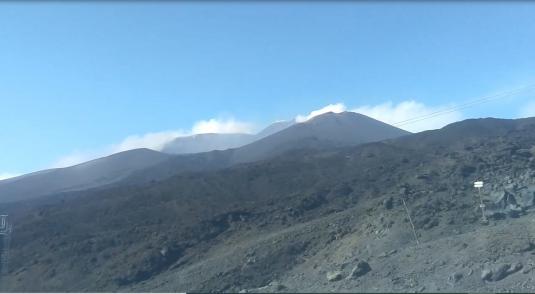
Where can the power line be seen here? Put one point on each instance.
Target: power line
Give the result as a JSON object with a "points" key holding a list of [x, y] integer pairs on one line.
{"points": [[468, 104], [463, 106]]}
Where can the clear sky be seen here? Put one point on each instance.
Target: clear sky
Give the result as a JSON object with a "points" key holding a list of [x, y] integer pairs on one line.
{"points": [[80, 79]]}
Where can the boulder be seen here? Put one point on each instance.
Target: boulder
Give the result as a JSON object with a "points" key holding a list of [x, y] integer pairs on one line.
{"points": [[505, 269], [501, 199], [360, 269], [271, 287], [514, 211], [501, 272], [486, 274], [334, 276], [526, 196], [518, 266], [455, 277], [388, 203]]}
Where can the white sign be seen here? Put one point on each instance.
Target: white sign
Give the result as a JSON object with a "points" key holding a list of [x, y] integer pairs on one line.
{"points": [[478, 184]]}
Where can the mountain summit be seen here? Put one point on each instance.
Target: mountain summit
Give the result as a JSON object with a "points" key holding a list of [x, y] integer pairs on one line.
{"points": [[326, 130]]}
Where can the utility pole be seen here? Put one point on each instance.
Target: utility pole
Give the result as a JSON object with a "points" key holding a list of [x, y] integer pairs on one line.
{"points": [[479, 185]]}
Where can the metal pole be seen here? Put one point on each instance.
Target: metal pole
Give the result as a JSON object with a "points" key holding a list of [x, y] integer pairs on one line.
{"points": [[410, 220], [482, 206]]}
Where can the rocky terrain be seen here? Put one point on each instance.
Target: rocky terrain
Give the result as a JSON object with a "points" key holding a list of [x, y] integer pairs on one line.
{"points": [[309, 220]]}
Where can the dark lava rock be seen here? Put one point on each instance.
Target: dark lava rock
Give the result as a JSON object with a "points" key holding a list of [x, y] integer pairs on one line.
{"points": [[388, 203], [361, 269]]}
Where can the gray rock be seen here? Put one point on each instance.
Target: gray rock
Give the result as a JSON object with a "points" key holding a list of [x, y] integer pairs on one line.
{"points": [[164, 251], [518, 266], [502, 271], [514, 210], [250, 260], [275, 286], [505, 269], [334, 276], [526, 196], [271, 287], [388, 203], [361, 269], [486, 274], [386, 254], [455, 277]]}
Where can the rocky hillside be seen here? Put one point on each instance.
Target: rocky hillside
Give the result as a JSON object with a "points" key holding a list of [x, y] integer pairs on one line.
{"points": [[306, 221]]}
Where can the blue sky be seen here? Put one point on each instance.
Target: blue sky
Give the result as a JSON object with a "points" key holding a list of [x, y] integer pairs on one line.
{"points": [[80, 79]]}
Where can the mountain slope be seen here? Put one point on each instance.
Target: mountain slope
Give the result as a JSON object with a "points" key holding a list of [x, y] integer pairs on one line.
{"points": [[467, 130], [120, 166], [210, 142], [94, 173], [207, 142], [274, 128], [137, 167], [324, 131], [294, 222], [327, 130]]}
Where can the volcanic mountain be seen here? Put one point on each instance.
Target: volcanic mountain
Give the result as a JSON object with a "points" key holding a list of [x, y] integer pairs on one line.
{"points": [[137, 167], [308, 220]]}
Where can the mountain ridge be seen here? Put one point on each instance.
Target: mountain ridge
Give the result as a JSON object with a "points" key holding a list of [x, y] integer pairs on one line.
{"points": [[287, 223], [100, 171], [214, 141], [324, 131]]}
